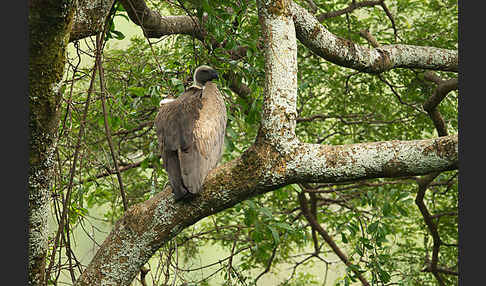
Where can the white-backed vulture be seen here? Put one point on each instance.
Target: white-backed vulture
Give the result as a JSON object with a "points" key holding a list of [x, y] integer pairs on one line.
{"points": [[190, 131]]}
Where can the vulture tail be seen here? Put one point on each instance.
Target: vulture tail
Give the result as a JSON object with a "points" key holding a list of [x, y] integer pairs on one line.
{"points": [[172, 166], [190, 164]]}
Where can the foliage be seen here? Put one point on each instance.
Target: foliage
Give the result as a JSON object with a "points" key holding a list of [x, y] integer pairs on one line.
{"points": [[375, 222]]}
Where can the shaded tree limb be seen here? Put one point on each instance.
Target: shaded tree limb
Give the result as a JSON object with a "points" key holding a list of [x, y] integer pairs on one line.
{"points": [[423, 184], [431, 104], [444, 87], [155, 26], [353, 6]]}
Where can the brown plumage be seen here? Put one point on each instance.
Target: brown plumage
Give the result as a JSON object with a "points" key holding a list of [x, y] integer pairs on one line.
{"points": [[190, 131]]}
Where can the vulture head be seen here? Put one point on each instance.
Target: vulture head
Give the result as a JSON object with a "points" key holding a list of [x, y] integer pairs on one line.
{"points": [[204, 74]]}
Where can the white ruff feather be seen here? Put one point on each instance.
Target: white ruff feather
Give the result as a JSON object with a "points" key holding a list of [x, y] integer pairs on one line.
{"points": [[166, 100]]}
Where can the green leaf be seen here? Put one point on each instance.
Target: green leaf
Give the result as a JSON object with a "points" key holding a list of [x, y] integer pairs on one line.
{"points": [[372, 227], [343, 238], [207, 7], [276, 237], [401, 210], [175, 81], [118, 35], [137, 91], [284, 226], [296, 187], [387, 209], [384, 276], [266, 212], [402, 195], [123, 16]]}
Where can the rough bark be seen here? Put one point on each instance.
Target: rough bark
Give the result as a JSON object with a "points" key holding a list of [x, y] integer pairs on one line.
{"points": [[155, 26], [376, 60], [276, 158], [89, 17], [279, 109], [49, 23]]}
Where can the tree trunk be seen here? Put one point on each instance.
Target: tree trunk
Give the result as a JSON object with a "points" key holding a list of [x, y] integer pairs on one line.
{"points": [[49, 25]]}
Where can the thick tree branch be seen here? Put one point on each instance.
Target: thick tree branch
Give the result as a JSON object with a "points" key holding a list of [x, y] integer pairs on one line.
{"points": [[319, 163], [147, 226], [348, 54], [155, 26], [279, 110]]}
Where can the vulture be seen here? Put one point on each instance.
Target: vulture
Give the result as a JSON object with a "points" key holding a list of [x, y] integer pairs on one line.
{"points": [[190, 131]]}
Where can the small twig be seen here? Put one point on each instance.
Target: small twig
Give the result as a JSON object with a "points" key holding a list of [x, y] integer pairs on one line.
{"points": [[111, 172], [230, 261], [108, 132], [397, 95], [177, 262], [99, 36], [315, 225], [390, 16], [353, 6], [269, 264], [367, 35]]}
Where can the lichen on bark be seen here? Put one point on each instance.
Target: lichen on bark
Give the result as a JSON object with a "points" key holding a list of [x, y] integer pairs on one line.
{"points": [[49, 26]]}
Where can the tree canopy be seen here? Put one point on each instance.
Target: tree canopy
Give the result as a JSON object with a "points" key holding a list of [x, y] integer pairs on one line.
{"points": [[340, 148]]}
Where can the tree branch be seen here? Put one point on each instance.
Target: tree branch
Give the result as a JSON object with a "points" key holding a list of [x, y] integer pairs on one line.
{"points": [[89, 18], [348, 54], [430, 105], [279, 109], [319, 163], [146, 226], [353, 6], [155, 26], [423, 184]]}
